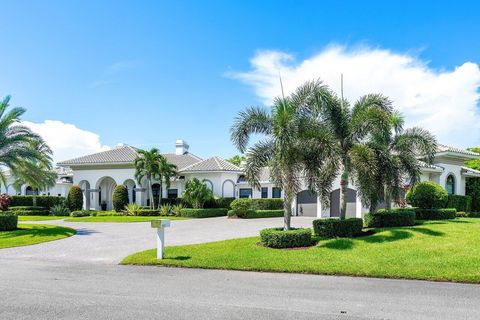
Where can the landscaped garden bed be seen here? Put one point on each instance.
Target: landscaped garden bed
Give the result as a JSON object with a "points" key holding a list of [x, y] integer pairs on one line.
{"points": [[434, 250]]}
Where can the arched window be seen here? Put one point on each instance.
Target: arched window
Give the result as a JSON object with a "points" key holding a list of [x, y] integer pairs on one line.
{"points": [[450, 184]]}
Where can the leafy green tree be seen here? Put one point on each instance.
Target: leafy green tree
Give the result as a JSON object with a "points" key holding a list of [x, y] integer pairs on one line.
{"points": [[152, 165], [474, 164], [120, 198], [196, 193], [166, 171], [297, 146], [237, 159]]}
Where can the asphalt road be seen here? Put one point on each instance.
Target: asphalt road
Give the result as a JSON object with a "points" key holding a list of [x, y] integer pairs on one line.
{"points": [[36, 286]]}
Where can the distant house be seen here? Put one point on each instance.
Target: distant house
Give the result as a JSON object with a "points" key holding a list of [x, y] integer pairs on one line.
{"points": [[98, 174]]}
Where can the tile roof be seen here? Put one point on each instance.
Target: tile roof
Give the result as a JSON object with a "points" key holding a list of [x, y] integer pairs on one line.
{"points": [[429, 166], [127, 155], [212, 164], [445, 148]]}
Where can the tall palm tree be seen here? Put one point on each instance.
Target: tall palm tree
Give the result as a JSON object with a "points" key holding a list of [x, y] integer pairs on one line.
{"points": [[395, 158], [152, 165], [297, 146], [166, 171], [18, 144], [351, 126]]}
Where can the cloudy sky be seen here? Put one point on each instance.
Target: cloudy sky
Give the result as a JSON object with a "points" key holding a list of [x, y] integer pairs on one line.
{"points": [[93, 75]]}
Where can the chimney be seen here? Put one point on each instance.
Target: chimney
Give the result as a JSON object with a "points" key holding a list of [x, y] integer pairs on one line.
{"points": [[181, 147]]}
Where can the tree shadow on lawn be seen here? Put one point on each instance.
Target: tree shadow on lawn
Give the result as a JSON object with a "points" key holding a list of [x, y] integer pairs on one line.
{"points": [[36, 232], [383, 236], [180, 258]]}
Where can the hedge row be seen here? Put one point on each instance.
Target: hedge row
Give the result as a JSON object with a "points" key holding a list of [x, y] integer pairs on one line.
{"points": [[210, 204], [8, 222], [332, 228], [279, 238], [398, 217], [460, 203], [435, 214], [28, 211], [257, 204], [42, 201], [254, 214], [203, 213]]}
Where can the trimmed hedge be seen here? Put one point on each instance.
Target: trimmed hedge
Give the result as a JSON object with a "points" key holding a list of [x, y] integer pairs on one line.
{"points": [[332, 228], [42, 201], [461, 203], [435, 214], [279, 238], [80, 213], [8, 222], [427, 195], [147, 212], [258, 204], [398, 217], [28, 211], [75, 198], [254, 214], [119, 197], [203, 213]]}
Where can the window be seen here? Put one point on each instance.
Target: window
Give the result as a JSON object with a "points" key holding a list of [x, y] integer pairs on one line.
{"points": [[172, 193], [245, 193], [450, 185], [276, 192], [264, 192]]}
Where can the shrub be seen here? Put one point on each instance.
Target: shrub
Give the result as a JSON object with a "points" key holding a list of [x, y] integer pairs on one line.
{"points": [[398, 217], [468, 214], [119, 197], [254, 214], [95, 213], [435, 214], [176, 209], [461, 203], [59, 210], [203, 213], [279, 238], [43, 201], [5, 201], [257, 204], [28, 211], [147, 212], [196, 193], [8, 222], [75, 198], [81, 213], [427, 195], [332, 228], [132, 209], [472, 189], [165, 210]]}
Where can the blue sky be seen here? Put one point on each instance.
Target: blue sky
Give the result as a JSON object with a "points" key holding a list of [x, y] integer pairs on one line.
{"points": [[148, 72]]}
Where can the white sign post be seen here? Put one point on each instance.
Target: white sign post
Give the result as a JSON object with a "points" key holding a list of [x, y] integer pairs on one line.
{"points": [[160, 225]]}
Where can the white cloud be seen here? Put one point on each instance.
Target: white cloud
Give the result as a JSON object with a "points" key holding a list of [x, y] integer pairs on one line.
{"points": [[443, 101], [66, 140]]}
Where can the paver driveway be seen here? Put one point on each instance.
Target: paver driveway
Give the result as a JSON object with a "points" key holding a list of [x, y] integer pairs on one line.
{"points": [[110, 242]]}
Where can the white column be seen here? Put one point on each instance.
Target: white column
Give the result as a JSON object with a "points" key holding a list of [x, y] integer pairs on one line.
{"points": [[358, 207], [294, 207], [319, 207]]}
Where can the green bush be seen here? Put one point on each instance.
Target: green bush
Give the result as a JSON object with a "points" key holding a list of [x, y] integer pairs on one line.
{"points": [[461, 203], [59, 210], [120, 198], [257, 204], [28, 211], [218, 203], [254, 214], [279, 238], [332, 228], [435, 214], [81, 213], [472, 189], [8, 222], [147, 212], [43, 201], [75, 198], [203, 213], [427, 195], [398, 217]]}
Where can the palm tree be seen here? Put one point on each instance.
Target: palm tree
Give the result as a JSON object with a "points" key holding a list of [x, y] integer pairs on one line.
{"points": [[351, 126], [396, 157], [18, 144], [297, 145], [152, 165], [166, 171], [36, 174]]}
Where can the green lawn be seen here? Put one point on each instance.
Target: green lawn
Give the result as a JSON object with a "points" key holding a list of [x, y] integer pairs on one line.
{"points": [[39, 218], [436, 250], [121, 219], [28, 234]]}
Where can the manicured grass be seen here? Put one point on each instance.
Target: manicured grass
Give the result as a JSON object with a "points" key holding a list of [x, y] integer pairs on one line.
{"points": [[39, 218], [28, 234], [436, 250], [121, 219]]}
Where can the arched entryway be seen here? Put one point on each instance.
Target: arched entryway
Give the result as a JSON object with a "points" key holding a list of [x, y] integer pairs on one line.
{"points": [[105, 188], [130, 185], [335, 203], [87, 196], [307, 203], [29, 191]]}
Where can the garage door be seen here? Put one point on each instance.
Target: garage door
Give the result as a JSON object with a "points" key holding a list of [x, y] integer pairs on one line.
{"points": [[307, 204]]}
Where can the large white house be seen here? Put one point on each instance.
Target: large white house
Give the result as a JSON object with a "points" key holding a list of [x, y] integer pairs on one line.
{"points": [[98, 174]]}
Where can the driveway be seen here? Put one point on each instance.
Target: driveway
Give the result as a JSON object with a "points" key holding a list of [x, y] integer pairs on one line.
{"points": [[109, 243]]}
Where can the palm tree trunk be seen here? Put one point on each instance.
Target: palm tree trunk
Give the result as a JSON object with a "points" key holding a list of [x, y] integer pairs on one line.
{"points": [[387, 199], [160, 196], [287, 212], [343, 193], [34, 199], [150, 190]]}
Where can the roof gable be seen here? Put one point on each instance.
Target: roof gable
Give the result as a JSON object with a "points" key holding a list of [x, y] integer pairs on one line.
{"points": [[212, 164]]}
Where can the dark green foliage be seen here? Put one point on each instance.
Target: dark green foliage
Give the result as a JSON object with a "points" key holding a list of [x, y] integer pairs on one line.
{"points": [[203, 213], [332, 228], [257, 204], [473, 190], [80, 213], [468, 214], [147, 212], [28, 211], [427, 195], [435, 214], [398, 217], [75, 198], [8, 222], [218, 203], [254, 214], [42, 201], [461, 203], [279, 238], [120, 198]]}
